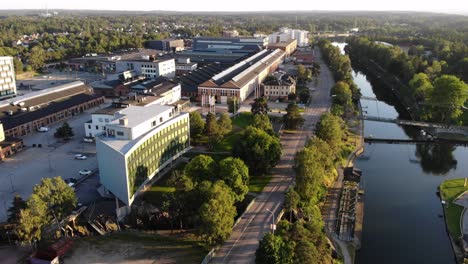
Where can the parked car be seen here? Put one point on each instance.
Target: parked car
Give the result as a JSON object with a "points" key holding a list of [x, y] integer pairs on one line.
{"points": [[88, 139], [71, 180], [84, 172], [80, 157], [42, 129]]}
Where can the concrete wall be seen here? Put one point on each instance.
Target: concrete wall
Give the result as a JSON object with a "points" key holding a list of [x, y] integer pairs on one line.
{"points": [[112, 170]]}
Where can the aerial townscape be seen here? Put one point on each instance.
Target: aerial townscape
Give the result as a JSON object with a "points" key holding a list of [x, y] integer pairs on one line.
{"points": [[218, 132]]}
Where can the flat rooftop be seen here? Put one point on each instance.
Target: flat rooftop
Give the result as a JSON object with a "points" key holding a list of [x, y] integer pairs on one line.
{"points": [[139, 115]]}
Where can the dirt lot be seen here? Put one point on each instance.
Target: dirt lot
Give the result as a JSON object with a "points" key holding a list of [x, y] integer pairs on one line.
{"points": [[135, 248]]}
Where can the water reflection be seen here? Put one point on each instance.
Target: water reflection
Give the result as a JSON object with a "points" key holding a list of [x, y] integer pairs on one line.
{"points": [[436, 159]]}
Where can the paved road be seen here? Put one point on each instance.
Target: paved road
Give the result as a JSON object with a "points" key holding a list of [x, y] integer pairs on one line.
{"points": [[243, 242]]}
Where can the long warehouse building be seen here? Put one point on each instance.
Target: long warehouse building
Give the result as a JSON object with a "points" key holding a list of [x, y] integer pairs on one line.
{"points": [[243, 78]]}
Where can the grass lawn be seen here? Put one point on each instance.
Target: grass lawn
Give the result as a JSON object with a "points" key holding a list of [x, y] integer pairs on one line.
{"points": [[257, 183], [145, 247], [243, 120], [449, 190]]}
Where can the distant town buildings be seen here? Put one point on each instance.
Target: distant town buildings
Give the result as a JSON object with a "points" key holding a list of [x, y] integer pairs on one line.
{"points": [[288, 46], [137, 145], [165, 44], [148, 66], [7, 77], [286, 34], [229, 43], [230, 33], [243, 78]]}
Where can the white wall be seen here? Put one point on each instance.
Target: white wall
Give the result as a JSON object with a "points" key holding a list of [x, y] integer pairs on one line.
{"points": [[99, 120], [112, 171]]}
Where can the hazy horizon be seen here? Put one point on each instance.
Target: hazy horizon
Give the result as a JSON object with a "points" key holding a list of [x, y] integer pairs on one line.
{"points": [[456, 7]]}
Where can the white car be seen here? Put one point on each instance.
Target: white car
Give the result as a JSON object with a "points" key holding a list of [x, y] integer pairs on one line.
{"points": [[42, 129], [85, 172], [80, 157]]}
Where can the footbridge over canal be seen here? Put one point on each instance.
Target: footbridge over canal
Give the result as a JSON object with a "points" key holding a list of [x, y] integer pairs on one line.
{"points": [[402, 121]]}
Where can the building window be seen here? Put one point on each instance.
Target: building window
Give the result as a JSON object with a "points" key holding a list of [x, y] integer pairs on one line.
{"points": [[120, 133], [153, 123], [89, 126], [97, 127], [160, 119]]}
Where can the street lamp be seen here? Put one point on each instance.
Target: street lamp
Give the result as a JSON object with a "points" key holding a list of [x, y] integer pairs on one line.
{"points": [[11, 182], [273, 226]]}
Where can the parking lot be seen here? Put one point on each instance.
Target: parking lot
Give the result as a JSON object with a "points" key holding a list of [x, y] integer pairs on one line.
{"points": [[55, 77], [21, 172]]}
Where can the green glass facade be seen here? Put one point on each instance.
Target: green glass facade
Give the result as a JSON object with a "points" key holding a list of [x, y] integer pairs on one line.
{"points": [[155, 150]]}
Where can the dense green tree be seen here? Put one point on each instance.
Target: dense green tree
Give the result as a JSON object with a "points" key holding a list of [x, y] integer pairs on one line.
{"points": [[196, 125], [274, 250], [263, 122], [224, 124], [37, 57], [201, 168], [421, 86], [64, 131], [259, 150], [212, 130], [304, 75], [447, 98], [235, 174], [342, 94], [260, 106], [304, 96], [217, 214], [15, 209], [291, 202], [329, 128], [52, 198], [293, 118], [18, 65]]}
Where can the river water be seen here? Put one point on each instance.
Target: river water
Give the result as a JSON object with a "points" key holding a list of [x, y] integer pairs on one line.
{"points": [[402, 213]]}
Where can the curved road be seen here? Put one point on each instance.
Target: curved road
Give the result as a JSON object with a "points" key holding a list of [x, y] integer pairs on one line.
{"points": [[254, 223]]}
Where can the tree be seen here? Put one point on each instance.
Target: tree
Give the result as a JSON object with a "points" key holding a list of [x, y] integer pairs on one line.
{"points": [[224, 124], [37, 57], [51, 198], [274, 250], [258, 150], [291, 202], [54, 193], [447, 98], [65, 131], [329, 128], [303, 75], [18, 65], [217, 214], [293, 118], [235, 174], [304, 96], [421, 86], [262, 122], [342, 94], [233, 104], [196, 125], [14, 211], [212, 130], [201, 168], [260, 106]]}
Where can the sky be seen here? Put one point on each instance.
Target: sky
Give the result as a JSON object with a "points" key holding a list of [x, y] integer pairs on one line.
{"points": [[445, 6]]}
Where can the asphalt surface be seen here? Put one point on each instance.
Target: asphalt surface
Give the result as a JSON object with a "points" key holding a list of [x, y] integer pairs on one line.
{"points": [[254, 223], [19, 173]]}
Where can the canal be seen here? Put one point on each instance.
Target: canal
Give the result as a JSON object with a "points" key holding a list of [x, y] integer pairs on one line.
{"points": [[403, 219]]}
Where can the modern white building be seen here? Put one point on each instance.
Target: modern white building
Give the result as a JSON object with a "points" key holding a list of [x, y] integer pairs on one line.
{"points": [[148, 66], [165, 93], [7, 77], [137, 145], [286, 34]]}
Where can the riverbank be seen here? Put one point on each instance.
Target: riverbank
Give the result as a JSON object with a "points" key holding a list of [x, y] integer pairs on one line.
{"points": [[450, 190]]}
